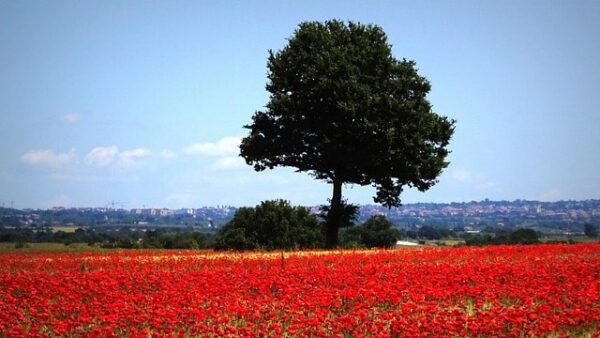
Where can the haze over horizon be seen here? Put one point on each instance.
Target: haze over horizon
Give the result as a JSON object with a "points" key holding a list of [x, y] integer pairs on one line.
{"points": [[144, 103]]}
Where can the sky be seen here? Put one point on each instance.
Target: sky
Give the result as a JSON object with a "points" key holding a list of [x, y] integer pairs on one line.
{"points": [[143, 103]]}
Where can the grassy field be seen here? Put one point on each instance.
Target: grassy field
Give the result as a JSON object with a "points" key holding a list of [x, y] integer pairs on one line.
{"points": [[81, 247], [566, 238], [445, 242], [64, 228], [48, 247]]}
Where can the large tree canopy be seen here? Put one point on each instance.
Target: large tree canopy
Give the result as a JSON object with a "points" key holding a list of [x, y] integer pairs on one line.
{"points": [[343, 109]]}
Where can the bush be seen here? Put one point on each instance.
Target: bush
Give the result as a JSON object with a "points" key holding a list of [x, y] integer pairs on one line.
{"points": [[519, 236], [429, 232], [21, 245], [524, 236], [376, 232], [590, 230], [350, 238], [271, 225]]}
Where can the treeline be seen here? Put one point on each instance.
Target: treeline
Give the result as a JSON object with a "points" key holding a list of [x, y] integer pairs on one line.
{"points": [[278, 225], [269, 226], [128, 238], [519, 236]]}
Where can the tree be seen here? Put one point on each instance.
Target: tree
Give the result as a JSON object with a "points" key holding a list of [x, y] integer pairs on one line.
{"points": [[270, 225], [378, 232], [344, 110], [590, 230], [524, 236], [429, 232], [519, 236], [375, 232]]}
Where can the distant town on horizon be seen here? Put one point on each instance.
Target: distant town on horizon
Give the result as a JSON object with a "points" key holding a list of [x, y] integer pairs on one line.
{"points": [[121, 206], [551, 217]]}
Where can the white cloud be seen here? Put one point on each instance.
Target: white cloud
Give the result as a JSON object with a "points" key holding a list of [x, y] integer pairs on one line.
{"points": [[71, 118], [103, 156], [48, 157], [229, 163], [226, 146], [128, 157], [168, 154]]}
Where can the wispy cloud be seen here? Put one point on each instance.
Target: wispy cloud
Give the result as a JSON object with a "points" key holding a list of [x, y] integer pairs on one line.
{"points": [[226, 146], [229, 163], [71, 118], [48, 157], [103, 156], [128, 157]]}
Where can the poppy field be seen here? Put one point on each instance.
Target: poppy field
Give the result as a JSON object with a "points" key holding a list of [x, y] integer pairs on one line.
{"points": [[500, 291]]}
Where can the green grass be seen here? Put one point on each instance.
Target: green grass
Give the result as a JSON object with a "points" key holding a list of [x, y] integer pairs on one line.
{"points": [[64, 228], [48, 247], [445, 242], [566, 238]]}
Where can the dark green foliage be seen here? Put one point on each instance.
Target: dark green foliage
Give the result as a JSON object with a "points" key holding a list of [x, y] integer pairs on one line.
{"points": [[379, 232], [412, 234], [175, 240], [343, 109], [519, 236], [21, 245], [271, 225], [348, 213], [524, 236], [351, 238], [127, 238], [429, 232], [590, 230], [376, 232]]}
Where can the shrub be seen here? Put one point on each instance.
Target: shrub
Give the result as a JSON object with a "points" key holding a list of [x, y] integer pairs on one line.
{"points": [[21, 245], [379, 232], [350, 238], [271, 225], [590, 230], [376, 232], [524, 236], [519, 236], [429, 232]]}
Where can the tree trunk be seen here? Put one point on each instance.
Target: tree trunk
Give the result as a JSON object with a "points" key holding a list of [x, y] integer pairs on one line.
{"points": [[333, 217]]}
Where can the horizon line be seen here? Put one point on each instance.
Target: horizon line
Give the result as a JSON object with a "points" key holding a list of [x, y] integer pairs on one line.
{"points": [[311, 206]]}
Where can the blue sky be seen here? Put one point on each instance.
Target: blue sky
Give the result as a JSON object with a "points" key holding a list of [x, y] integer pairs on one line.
{"points": [[143, 103]]}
